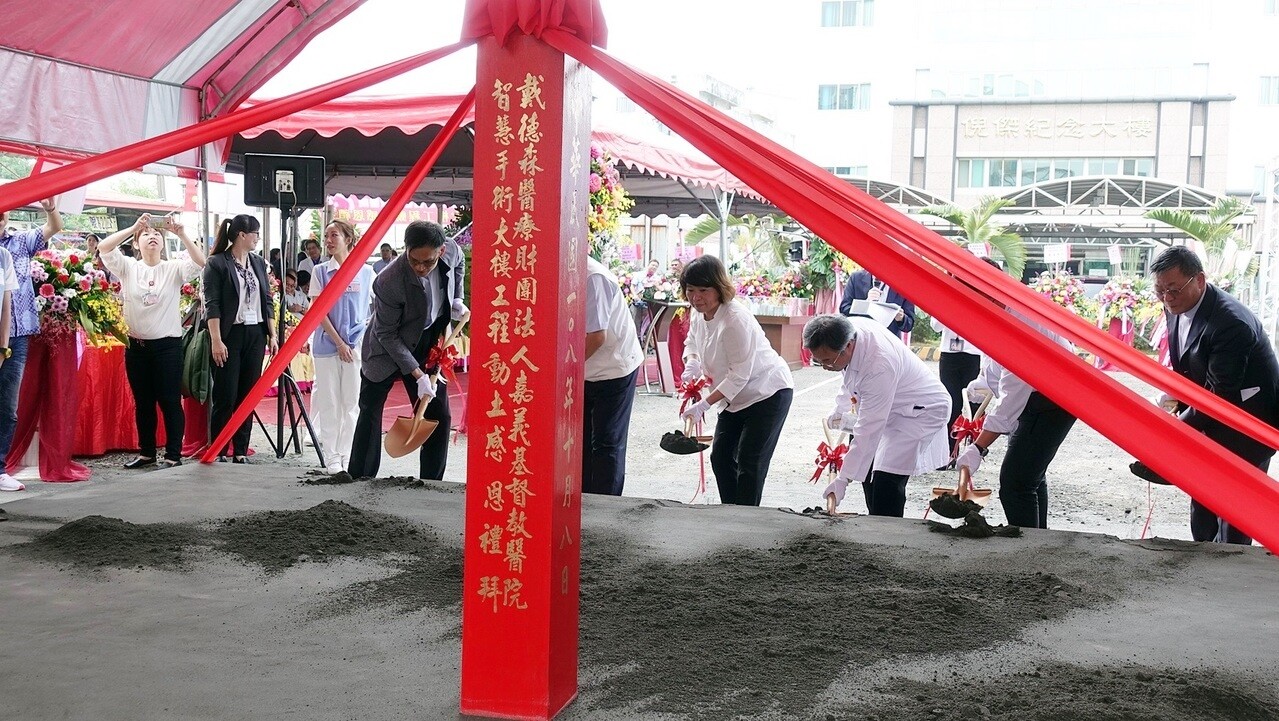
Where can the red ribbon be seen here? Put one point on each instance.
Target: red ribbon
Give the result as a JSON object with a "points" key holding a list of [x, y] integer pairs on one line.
{"points": [[965, 429], [445, 359], [691, 392], [828, 459]]}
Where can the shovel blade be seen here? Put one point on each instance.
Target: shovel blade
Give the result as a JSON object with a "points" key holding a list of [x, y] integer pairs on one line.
{"points": [[407, 435], [680, 444]]}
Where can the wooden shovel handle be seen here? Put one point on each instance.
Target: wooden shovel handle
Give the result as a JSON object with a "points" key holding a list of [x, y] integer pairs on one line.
{"points": [[981, 409]]}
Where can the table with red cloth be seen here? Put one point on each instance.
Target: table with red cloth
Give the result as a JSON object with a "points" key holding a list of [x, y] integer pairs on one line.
{"points": [[48, 398], [105, 421]]}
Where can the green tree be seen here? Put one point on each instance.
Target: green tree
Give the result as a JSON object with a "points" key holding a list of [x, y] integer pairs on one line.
{"points": [[15, 167], [134, 186], [1216, 229], [975, 226], [750, 233]]}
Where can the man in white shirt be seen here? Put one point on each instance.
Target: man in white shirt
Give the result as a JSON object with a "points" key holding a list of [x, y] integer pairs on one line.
{"points": [[312, 259], [613, 358], [902, 409], [1036, 427]]}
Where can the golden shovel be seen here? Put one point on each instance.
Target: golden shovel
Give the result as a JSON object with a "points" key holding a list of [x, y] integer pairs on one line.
{"points": [[408, 434], [952, 502]]}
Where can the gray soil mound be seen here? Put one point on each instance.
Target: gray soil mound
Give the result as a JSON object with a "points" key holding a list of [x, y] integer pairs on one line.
{"points": [[276, 540], [433, 580], [397, 482], [1063, 692], [325, 479], [771, 629], [98, 542]]}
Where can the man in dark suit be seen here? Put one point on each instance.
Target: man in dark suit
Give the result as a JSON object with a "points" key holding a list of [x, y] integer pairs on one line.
{"points": [[862, 285], [1215, 341], [415, 298]]}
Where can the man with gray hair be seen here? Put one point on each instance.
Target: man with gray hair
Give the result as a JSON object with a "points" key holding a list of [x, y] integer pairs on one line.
{"points": [[902, 409]]}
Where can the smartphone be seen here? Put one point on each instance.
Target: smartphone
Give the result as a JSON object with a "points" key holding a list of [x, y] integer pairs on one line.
{"points": [[160, 222]]}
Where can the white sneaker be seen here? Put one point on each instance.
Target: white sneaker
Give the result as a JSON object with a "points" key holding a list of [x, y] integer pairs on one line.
{"points": [[9, 483]]}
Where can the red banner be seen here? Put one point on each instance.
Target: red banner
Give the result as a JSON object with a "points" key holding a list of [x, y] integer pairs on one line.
{"points": [[524, 462], [336, 286], [910, 256]]}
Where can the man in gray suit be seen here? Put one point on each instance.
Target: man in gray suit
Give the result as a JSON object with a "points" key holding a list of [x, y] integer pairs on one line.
{"points": [[414, 299]]}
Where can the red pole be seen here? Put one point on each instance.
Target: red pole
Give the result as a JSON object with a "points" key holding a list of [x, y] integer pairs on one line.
{"points": [[524, 462]]}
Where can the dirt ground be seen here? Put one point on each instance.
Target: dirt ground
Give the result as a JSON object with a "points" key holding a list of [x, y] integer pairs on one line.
{"points": [[1090, 487]]}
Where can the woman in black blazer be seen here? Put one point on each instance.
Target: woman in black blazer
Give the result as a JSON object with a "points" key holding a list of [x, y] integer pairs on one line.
{"points": [[237, 304]]}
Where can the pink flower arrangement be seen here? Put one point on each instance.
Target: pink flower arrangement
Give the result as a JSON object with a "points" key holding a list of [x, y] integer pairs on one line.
{"points": [[72, 293], [608, 199], [1127, 299], [1061, 288]]}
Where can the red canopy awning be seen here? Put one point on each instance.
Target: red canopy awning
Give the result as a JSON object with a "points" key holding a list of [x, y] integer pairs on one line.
{"points": [[88, 76]]}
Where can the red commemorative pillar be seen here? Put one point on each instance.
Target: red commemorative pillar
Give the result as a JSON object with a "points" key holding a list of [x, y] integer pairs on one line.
{"points": [[523, 501]]}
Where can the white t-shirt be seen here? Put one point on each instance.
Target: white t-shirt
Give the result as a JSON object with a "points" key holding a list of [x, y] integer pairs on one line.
{"points": [[151, 293], [8, 278], [736, 355], [606, 311]]}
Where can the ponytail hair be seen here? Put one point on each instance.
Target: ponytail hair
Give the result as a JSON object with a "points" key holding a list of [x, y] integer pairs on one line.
{"points": [[231, 228]]}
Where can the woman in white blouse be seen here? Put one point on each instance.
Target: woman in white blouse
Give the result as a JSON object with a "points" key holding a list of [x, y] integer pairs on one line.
{"points": [[727, 345], [151, 287]]}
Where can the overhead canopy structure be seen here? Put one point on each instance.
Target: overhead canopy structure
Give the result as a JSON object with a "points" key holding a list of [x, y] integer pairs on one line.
{"points": [[87, 76], [370, 142]]}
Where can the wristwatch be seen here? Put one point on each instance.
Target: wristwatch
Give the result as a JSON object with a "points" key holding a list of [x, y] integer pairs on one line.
{"points": [[6, 353], [981, 451]]}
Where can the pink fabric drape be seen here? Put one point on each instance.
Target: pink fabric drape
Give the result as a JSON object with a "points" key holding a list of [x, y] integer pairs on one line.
{"points": [[909, 256], [503, 18], [46, 185]]}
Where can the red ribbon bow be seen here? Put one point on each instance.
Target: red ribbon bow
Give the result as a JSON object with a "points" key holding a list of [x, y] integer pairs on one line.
{"points": [[965, 429], [445, 359], [828, 459], [691, 392]]}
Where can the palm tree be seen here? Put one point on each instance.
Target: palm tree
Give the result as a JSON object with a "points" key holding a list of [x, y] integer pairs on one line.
{"points": [[975, 227], [1215, 228], [752, 231]]}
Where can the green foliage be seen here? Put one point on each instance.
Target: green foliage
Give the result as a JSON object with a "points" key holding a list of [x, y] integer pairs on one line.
{"points": [[976, 227], [1215, 228], [823, 260], [15, 167], [135, 186], [750, 233]]}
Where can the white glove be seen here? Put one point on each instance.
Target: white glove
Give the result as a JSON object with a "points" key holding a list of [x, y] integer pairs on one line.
{"points": [[459, 309], [1166, 402], [836, 488], [970, 459], [695, 411], [426, 387], [835, 421], [976, 391], [692, 370]]}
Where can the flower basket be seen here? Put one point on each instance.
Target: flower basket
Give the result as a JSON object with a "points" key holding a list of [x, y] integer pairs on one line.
{"points": [[72, 294]]}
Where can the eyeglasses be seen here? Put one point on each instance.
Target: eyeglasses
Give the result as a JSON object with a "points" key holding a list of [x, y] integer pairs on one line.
{"points": [[831, 364], [1172, 294], [423, 263]]}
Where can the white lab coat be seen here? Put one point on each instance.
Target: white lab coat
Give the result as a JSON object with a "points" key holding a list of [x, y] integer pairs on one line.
{"points": [[902, 408]]}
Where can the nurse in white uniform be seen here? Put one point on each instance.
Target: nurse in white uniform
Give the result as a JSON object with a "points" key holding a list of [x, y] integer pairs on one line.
{"points": [[902, 409]]}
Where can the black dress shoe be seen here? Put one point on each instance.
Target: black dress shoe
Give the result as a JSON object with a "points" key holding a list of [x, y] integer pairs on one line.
{"points": [[240, 459], [1142, 471], [172, 462], [140, 463]]}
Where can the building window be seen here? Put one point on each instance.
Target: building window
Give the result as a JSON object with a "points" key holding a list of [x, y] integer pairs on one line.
{"points": [[848, 13], [1020, 172], [848, 171], [1270, 89], [843, 97]]}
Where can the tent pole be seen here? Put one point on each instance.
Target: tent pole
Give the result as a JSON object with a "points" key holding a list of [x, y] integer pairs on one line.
{"points": [[724, 202]]}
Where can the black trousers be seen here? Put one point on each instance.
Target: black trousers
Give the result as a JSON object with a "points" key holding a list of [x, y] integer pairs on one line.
{"points": [[246, 347], [154, 369], [885, 493], [956, 370], [366, 444], [743, 448], [1023, 478], [1209, 527], [606, 419]]}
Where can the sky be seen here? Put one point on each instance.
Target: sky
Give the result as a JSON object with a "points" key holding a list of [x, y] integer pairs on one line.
{"points": [[724, 38]]}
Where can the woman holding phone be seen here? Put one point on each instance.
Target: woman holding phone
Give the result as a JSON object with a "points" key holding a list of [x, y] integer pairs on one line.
{"points": [[150, 287]]}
